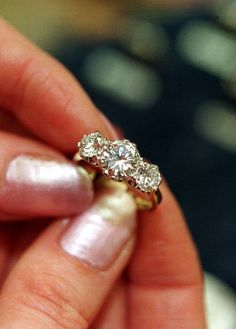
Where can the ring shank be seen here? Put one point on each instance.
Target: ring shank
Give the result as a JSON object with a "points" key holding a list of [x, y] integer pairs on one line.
{"points": [[150, 203]]}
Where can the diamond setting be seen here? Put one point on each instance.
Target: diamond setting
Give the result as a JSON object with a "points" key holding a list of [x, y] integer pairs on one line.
{"points": [[120, 161], [147, 177], [90, 146]]}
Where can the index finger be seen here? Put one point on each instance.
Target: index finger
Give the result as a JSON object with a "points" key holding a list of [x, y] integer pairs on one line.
{"points": [[165, 276], [43, 94]]}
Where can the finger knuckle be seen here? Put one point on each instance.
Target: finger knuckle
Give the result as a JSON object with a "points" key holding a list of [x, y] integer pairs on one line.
{"points": [[43, 83], [54, 298], [29, 75]]}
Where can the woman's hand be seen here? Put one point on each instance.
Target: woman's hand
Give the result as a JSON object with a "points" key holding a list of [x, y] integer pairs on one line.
{"points": [[67, 273]]}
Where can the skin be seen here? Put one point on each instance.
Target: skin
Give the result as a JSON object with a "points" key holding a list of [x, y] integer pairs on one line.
{"points": [[155, 281]]}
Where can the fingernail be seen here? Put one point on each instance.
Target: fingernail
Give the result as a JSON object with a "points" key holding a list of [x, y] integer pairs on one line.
{"points": [[43, 186], [98, 235]]}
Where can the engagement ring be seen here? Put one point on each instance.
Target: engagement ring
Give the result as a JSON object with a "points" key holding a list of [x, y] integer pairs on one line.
{"points": [[120, 161]]}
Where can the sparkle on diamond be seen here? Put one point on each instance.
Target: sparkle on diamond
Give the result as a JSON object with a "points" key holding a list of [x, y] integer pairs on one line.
{"points": [[90, 145], [147, 177], [119, 159]]}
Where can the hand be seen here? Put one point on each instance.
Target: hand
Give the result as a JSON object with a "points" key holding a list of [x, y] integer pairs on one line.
{"points": [[67, 273]]}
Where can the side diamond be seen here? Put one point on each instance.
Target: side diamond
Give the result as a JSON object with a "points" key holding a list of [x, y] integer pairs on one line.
{"points": [[147, 177], [90, 145]]}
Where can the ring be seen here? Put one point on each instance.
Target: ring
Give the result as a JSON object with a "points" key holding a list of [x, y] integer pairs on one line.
{"points": [[120, 161]]}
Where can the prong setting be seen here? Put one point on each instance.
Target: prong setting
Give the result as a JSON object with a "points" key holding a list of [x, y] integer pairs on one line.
{"points": [[120, 161]]}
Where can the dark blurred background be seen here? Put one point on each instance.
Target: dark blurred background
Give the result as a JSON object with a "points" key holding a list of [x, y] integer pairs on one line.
{"points": [[165, 73]]}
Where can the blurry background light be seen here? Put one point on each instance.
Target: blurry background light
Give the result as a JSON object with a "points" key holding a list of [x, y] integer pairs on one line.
{"points": [[220, 304], [208, 47], [126, 80], [144, 39], [216, 121], [39, 20], [226, 13]]}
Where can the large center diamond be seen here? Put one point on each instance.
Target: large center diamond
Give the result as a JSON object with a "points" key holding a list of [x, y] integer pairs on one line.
{"points": [[120, 159]]}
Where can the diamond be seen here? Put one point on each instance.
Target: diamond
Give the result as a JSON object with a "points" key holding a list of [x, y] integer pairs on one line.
{"points": [[147, 177], [119, 159], [90, 145]]}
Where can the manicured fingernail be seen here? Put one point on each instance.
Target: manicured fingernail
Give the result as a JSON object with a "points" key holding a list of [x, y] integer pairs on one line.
{"points": [[42, 186], [98, 235]]}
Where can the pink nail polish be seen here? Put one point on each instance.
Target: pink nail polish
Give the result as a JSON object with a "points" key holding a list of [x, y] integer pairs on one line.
{"points": [[97, 236], [42, 186]]}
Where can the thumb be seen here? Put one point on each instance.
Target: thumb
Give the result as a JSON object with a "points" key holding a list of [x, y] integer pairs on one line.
{"points": [[63, 278]]}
